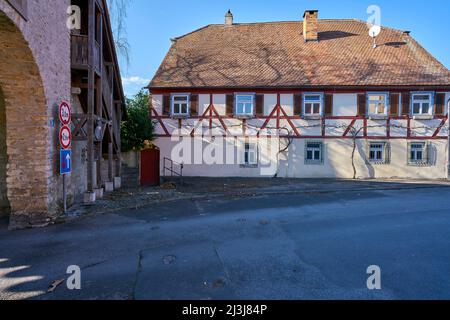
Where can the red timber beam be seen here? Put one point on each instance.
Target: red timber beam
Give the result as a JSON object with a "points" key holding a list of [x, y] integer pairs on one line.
{"points": [[210, 114], [347, 131], [159, 118], [438, 130]]}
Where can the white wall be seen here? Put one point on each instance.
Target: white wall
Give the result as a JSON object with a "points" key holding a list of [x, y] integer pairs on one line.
{"points": [[337, 161]]}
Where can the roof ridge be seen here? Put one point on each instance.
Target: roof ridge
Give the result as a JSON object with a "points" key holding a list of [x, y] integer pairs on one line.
{"points": [[281, 21]]}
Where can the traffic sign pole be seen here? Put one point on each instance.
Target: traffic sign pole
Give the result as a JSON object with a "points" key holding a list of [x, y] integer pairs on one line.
{"points": [[65, 138]]}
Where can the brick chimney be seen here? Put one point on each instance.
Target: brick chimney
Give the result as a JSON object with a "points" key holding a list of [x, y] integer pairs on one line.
{"points": [[229, 18], [311, 25]]}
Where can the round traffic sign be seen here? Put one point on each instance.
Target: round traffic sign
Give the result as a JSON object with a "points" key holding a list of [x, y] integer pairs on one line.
{"points": [[65, 113], [65, 137]]}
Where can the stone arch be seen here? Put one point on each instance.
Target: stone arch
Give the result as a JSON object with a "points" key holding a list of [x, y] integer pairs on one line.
{"points": [[26, 127]]}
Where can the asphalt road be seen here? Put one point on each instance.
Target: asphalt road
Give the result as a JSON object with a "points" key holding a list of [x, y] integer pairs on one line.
{"points": [[310, 246]]}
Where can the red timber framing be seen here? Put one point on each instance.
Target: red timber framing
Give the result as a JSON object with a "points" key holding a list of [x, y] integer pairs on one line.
{"points": [[279, 114]]}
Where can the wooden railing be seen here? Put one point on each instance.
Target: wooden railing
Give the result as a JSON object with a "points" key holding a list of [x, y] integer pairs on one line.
{"points": [[79, 53]]}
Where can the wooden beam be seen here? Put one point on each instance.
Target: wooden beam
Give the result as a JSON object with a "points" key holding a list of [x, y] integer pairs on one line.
{"points": [[91, 97]]}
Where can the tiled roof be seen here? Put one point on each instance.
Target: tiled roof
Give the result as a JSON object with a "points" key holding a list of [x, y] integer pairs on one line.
{"points": [[276, 55]]}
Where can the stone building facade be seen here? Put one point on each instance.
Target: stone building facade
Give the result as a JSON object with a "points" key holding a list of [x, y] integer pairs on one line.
{"points": [[35, 76]]}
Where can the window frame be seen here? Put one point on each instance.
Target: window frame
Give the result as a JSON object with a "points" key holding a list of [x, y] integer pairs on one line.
{"points": [[172, 105], [425, 154], [321, 150], [254, 147], [253, 98], [387, 106], [431, 108], [322, 105], [385, 158]]}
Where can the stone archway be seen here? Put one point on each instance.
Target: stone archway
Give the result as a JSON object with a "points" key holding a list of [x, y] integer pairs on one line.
{"points": [[28, 168]]}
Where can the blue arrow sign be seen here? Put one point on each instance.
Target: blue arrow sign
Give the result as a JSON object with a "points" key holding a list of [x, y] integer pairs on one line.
{"points": [[65, 160]]}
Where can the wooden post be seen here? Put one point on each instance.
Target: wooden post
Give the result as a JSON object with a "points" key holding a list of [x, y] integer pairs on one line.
{"points": [[91, 98], [110, 160], [98, 144]]}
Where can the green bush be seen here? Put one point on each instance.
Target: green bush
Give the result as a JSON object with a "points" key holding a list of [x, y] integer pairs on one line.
{"points": [[137, 128]]}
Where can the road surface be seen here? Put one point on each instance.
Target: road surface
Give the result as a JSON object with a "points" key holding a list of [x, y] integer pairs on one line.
{"points": [[295, 246]]}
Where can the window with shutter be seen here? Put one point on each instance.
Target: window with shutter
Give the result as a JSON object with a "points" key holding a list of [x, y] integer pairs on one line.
{"points": [[328, 105], [394, 104], [260, 105], [378, 104], [166, 105], [379, 152], [419, 154], [180, 105], [230, 104], [361, 105], [298, 103], [314, 153], [406, 103], [313, 105], [194, 105], [440, 104]]}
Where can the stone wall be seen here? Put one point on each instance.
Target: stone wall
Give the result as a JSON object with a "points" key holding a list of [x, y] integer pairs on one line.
{"points": [[4, 204], [35, 76]]}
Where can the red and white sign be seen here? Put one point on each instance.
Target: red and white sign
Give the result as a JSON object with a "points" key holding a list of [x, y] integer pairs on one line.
{"points": [[65, 137], [65, 113]]}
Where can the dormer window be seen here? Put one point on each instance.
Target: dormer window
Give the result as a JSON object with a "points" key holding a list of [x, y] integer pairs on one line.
{"points": [[378, 104], [312, 105], [180, 105], [245, 105]]}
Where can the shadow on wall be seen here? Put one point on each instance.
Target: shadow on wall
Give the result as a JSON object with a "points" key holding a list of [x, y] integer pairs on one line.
{"points": [[4, 203]]}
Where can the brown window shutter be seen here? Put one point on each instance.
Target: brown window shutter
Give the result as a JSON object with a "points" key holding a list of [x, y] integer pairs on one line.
{"points": [[394, 104], [298, 101], [440, 104], [328, 105], [406, 103], [362, 108], [260, 105], [166, 105], [230, 104], [194, 105]]}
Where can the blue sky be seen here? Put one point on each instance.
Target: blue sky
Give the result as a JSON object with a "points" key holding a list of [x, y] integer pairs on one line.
{"points": [[152, 23]]}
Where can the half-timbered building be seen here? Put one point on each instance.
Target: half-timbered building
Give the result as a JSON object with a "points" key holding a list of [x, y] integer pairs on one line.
{"points": [[308, 99]]}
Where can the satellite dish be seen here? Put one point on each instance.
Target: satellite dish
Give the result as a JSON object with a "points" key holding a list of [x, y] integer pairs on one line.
{"points": [[374, 31]]}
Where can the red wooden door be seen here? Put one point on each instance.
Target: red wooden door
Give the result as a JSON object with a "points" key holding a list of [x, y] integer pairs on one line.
{"points": [[150, 170]]}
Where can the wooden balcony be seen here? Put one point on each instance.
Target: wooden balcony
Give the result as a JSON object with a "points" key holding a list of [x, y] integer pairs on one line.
{"points": [[80, 53]]}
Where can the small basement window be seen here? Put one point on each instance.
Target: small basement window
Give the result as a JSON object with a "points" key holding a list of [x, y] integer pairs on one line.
{"points": [[314, 152], [180, 105], [245, 104], [378, 104], [379, 152], [422, 104], [313, 104]]}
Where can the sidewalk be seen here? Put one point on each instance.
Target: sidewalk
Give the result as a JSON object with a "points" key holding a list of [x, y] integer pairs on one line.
{"points": [[208, 188]]}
